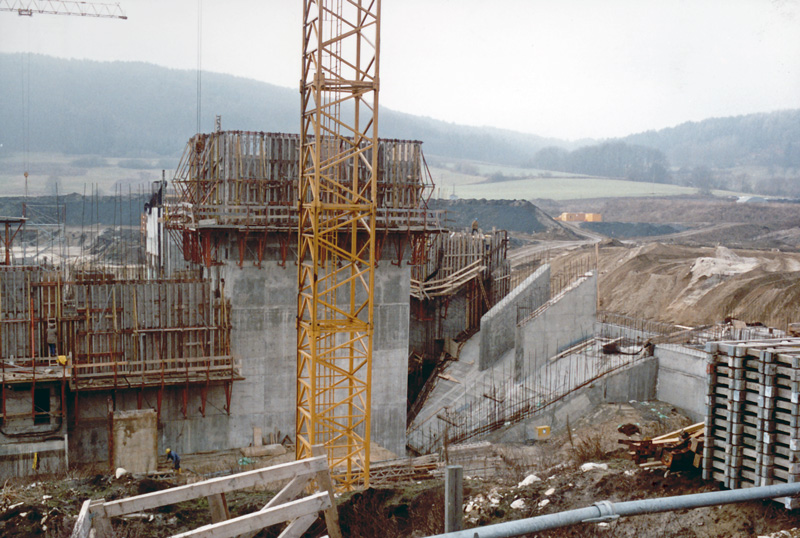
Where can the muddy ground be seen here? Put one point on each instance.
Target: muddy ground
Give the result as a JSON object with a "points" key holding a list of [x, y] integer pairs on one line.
{"points": [[48, 505]]}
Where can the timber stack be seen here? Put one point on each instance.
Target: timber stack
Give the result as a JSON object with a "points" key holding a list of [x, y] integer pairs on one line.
{"points": [[679, 450]]}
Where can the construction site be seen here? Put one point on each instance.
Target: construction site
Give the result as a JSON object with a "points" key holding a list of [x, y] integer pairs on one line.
{"points": [[293, 318]]}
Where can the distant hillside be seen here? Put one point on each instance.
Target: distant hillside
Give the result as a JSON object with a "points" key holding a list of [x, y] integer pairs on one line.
{"points": [[133, 111], [125, 109], [756, 139]]}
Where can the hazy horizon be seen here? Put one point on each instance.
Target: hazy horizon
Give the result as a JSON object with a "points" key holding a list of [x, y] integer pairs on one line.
{"points": [[569, 70]]}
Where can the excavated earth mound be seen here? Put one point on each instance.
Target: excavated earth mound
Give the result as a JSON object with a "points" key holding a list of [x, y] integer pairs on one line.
{"points": [[696, 286]]}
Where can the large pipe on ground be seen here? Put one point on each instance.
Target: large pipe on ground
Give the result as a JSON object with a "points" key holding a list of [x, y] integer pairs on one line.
{"points": [[607, 511]]}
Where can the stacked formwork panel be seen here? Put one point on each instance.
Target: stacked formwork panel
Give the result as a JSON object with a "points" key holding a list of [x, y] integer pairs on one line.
{"points": [[145, 333], [753, 413]]}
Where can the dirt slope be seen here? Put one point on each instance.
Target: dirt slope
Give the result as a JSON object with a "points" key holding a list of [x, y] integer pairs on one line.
{"points": [[695, 286]]}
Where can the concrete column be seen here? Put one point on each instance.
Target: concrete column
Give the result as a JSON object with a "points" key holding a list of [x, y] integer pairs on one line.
{"points": [[453, 498]]}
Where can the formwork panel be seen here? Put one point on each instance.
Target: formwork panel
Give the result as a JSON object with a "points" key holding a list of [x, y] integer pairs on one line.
{"points": [[115, 333], [753, 412]]}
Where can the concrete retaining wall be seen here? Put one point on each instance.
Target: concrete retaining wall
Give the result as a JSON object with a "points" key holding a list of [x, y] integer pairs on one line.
{"points": [[638, 382], [24, 440], [264, 341], [682, 379], [498, 324], [565, 320], [30, 458]]}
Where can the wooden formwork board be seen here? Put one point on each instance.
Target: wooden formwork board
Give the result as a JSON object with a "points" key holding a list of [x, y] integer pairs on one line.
{"points": [[116, 333], [235, 177]]}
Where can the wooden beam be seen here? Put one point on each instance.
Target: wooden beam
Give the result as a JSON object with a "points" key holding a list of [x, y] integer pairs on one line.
{"points": [[265, 518], [218, 505], [215, 485], [100, 524], [296, 528], [289, 492], [83, 525], [325, 483]]}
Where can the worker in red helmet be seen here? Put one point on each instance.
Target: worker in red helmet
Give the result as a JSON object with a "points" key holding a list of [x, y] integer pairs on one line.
{"points": [[176, 460]]}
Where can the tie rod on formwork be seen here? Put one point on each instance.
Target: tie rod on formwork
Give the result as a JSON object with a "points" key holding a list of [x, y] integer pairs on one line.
{"points": [[607, 511]]}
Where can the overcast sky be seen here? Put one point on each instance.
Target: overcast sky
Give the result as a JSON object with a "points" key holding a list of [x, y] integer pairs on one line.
{"points": [[561, 68]]}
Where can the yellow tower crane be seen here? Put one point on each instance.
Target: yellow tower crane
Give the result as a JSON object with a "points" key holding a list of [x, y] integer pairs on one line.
{"points": [[336, 239]]}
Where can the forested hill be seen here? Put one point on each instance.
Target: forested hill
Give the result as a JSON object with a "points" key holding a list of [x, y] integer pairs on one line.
{"points": [[771, 139], [124, 109]]}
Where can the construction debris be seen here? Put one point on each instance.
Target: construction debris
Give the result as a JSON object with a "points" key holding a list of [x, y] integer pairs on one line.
{"points": [[676, 451]]}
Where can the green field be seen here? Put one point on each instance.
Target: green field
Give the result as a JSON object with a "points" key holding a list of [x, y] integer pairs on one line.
{"points": [[543, 184]]}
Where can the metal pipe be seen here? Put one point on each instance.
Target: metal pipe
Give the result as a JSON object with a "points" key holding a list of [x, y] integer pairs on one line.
{"points": [[606, 511]]}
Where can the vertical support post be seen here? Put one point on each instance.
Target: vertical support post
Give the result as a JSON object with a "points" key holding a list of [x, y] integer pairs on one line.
{"points": [[453, 498], [218, 505], [99, 522]]}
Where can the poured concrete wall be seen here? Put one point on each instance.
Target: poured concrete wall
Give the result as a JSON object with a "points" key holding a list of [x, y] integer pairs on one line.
{"points": [[682, 379], [134, 440], [24, 440], [564, 321], [498, 325], [89, 441], [264, 344], [17, 458]]}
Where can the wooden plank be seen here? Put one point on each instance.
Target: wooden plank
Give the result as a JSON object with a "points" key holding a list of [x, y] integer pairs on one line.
{"points": [[297, 527], [325, 483], [261, 519], [83, 525], [289, 492], [675, 436], [218, 506], [213, 486]]}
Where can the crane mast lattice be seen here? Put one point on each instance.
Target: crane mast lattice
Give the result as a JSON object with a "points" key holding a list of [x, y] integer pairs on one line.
{"points": [[336, 239]]}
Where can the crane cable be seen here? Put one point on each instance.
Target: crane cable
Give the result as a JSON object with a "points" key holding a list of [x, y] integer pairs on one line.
{"points": [[25, 80], [199, 61]]}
